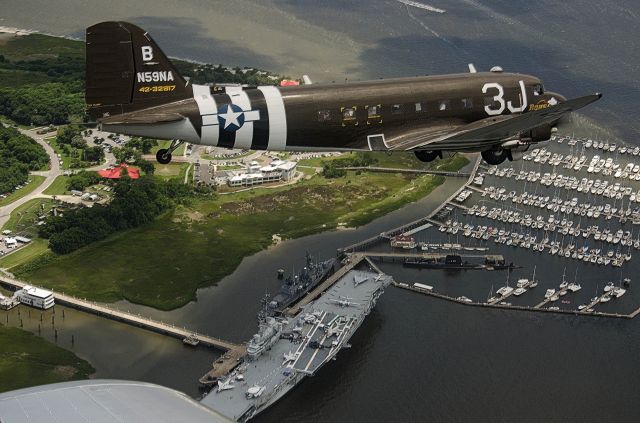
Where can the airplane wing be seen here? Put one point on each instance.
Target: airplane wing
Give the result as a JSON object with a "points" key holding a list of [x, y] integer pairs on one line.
{"points": [[497, 128]]}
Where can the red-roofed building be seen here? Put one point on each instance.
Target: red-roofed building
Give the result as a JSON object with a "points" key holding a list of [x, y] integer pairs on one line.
{"points": [[116, 172]]}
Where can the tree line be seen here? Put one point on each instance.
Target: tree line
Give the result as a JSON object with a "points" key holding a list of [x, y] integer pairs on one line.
{"points": [[135, 203], [334, 168], [19, 154]]}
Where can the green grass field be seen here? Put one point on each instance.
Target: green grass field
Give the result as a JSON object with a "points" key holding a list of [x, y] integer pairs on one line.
{"points": [[162, 264], [165, 144], [23, 219], [59, 186], [34, 182], [66, 159], [171, 170], [26, 360], [37, 46], [35, 249]]}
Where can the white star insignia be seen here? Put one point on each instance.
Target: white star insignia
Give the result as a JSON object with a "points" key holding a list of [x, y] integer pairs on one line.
{"points": [[231, 117]]}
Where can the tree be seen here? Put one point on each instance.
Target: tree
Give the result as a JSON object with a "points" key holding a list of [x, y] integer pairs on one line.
{"points": [[146, 166], [142, 144], [93, 154], [126, 154]]}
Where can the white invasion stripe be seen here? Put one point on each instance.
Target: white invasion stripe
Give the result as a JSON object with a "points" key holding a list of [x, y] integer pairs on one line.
{"points": [[244, 135], [422, 6], [277, 118], [202, 96], [207, 106]]}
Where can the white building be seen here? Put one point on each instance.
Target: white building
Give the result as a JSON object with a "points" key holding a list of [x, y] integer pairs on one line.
{"points": [[35, 297], [276, 171]]}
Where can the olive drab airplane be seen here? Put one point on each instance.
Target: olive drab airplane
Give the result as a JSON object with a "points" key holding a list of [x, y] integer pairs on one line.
{"points": [[132, 88]]}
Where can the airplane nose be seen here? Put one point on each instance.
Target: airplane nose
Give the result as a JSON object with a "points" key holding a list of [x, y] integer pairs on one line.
{"points": [[558, 97]]}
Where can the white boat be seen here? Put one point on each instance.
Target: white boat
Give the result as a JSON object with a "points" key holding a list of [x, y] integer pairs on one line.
{"points": [[619, 292], [504, 291], [519, 291], [574, 287], [549, 293]]}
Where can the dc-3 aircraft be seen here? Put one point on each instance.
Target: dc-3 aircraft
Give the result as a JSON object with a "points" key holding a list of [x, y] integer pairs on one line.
{"points": [[132, 88]]}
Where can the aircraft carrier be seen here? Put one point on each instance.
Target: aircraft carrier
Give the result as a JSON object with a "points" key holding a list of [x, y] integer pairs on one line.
{"points": [[285, 351]]}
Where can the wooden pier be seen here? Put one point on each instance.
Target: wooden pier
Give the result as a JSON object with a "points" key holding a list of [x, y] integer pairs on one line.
{"points": [[408, 171], [130, 318]]}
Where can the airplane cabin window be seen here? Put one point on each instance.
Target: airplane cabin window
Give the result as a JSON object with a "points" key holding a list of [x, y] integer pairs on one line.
{"points": [[348, 113], [467, 103], [373, 111], [324, 115], [396, 109], [419, 107], [443, 105]]}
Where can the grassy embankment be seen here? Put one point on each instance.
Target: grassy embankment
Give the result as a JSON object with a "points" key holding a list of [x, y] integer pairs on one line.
{"points": [[60, 186], [26, 360], [34, 182], [164, 263], [23, 221]]}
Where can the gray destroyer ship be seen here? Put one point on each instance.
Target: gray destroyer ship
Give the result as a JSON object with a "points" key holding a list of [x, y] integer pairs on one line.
{"points": [[286, 350], [297, 285]]}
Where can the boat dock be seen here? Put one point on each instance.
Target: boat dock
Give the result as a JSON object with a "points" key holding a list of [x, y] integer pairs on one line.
{"points": [[513, 307], [130, 318]]}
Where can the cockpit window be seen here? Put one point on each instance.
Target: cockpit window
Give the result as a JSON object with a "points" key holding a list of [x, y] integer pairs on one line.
{"points": [[538, 89]]}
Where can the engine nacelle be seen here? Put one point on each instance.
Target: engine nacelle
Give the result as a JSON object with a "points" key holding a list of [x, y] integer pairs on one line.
{"points": [[541, 133], [427, 156]]}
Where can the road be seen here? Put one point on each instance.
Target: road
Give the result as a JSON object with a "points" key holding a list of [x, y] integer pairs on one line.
{"points": [[50, 175]]}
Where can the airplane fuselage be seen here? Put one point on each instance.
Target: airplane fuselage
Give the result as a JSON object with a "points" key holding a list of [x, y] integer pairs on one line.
{"points": [[133, 88], [391, 114]]}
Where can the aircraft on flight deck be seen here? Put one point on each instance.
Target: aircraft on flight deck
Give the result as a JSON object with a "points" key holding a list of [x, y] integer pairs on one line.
{"points": [[132, 88]]}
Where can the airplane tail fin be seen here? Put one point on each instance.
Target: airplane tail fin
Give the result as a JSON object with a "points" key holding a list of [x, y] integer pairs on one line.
{"points": [[127, 71]]}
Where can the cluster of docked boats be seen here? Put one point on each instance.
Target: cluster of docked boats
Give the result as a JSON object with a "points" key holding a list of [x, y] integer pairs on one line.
{"points": [[554, 295], [553, 247], [610, 292], [584, 185], [522, 286], [562, 226], [605, 146], [568, 206]]}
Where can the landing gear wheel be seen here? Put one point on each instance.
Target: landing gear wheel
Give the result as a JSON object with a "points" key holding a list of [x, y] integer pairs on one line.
{"points": [[427, 156], [163, 156], [495, 157]]}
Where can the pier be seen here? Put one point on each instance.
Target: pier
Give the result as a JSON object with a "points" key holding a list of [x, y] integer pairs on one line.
{"points": [[130, 318], [514, 307], [409, 171]]}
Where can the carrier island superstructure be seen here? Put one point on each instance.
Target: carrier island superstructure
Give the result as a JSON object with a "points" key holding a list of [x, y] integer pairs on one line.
{"points": [[288, 349]]}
